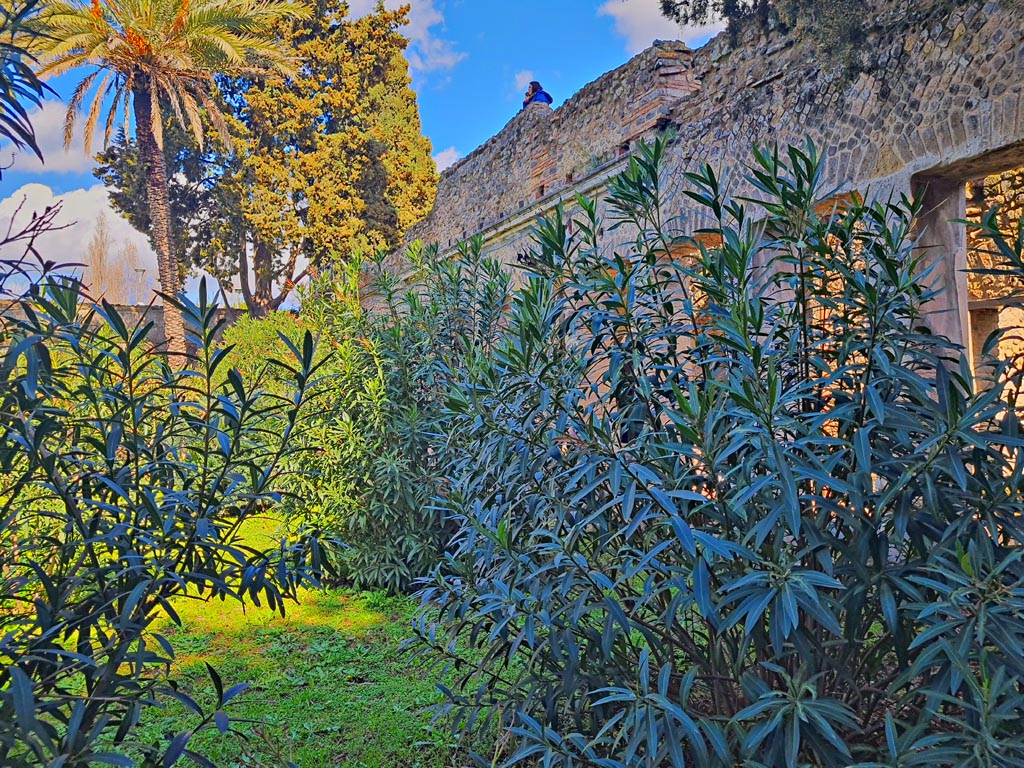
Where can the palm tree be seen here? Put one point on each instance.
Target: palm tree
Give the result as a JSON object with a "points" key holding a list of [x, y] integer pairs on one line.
{"points": [[146, 55]]}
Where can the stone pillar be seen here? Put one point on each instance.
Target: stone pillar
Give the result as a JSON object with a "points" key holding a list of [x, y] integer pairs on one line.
{"points": [[984, 322], [945, 245]]}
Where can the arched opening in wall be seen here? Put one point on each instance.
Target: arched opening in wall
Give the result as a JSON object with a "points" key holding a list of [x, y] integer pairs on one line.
{"points": [[994, 300], [972, 304], [769, 262], [686, 254]]}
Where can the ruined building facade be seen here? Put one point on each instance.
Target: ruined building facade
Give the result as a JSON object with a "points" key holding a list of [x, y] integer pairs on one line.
{"points": [[938, 109]]}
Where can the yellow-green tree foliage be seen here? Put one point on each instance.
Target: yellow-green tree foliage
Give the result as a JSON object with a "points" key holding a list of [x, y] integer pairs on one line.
{"points": [[153, 58], [332, 159], [323, 161]]}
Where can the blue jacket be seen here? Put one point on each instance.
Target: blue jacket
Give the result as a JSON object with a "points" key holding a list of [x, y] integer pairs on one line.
{"points": [[542, 97]]}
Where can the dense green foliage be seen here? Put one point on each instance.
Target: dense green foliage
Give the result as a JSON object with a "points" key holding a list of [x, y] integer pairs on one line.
{"points": [[123, 485], [376, 445], [697, 12], [324, 160], [252, 345], [374, 448], [419, 337], [725, 501]]}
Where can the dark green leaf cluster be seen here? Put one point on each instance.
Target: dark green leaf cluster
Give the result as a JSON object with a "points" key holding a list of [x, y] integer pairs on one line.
{"points": [[20, 88], [836, 26], [699, 12], [378, 444], [124, 486], [724, 500]]}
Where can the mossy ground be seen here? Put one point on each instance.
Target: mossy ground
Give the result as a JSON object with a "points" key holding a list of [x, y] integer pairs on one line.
{"points": [[329, 685]]}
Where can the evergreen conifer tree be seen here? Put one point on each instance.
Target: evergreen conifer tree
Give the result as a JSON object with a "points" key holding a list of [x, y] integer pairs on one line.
{"points": [[323, 162]]}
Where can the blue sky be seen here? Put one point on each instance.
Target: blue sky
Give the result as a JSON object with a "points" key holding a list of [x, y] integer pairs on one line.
{"points": [[470, 61]]}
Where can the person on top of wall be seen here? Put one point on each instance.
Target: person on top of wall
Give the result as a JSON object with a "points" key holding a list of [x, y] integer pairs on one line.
{"points": [[535, 93]]}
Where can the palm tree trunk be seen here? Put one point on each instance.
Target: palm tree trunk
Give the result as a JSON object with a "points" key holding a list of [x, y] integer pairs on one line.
{"points": [[155, 173]]}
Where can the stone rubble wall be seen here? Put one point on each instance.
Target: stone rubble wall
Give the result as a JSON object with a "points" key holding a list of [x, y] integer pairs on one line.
{"points": [[940, 87], [941, 92]]}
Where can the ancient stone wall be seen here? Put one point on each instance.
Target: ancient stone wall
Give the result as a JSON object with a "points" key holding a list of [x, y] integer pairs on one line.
{"points": [[940, 88], [940, 97], [542, 154]]}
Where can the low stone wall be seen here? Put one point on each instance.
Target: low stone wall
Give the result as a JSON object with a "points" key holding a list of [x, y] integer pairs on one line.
{"points": [[140, 314]]}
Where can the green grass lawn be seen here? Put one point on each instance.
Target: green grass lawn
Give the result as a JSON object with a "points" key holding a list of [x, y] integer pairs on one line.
{"points": [[329, 686]]}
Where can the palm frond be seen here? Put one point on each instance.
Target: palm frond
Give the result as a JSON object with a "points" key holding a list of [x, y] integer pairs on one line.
{"points": [[180, 45], [216, 117], [19, 84], [75, 104], [194, 118], [108, 128], [94, 112]]}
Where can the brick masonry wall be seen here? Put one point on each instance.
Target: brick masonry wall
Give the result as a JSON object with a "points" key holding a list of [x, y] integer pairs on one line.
{"points": [[943, 87], [542, 153]]}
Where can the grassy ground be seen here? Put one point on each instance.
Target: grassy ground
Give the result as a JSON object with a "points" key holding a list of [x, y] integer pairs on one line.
{"points": [[328, 684]]}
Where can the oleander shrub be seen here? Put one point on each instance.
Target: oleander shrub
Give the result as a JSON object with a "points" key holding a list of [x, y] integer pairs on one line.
{"points": [[339, 437], [253, 344], [723, 500], [424, 336], [342, 437], [124, 487], [376, 443]]}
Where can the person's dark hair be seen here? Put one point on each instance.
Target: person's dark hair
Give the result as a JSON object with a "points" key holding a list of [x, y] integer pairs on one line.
{"points": [[535, 86]]}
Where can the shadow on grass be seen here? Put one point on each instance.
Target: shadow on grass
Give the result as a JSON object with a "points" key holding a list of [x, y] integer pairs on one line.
{"points": [[328, 686]]}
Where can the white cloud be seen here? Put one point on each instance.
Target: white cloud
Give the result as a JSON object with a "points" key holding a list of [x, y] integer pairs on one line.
{"points": [[523, 79], [641, 22], [79, 211], [446, 158], [48, 122], [426, 52]]}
